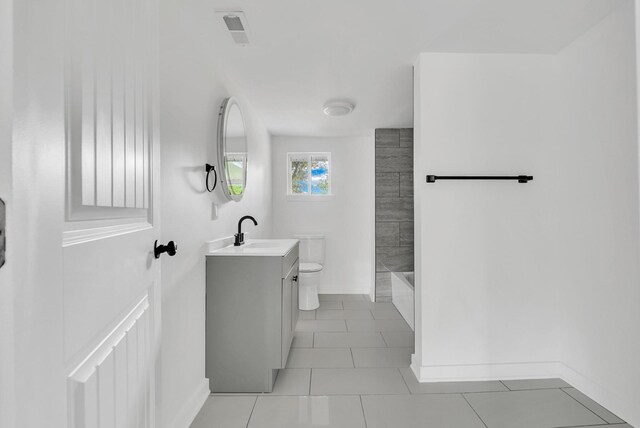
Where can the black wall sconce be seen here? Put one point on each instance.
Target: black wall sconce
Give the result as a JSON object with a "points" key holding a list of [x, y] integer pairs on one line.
{"points": [[208, 169]]}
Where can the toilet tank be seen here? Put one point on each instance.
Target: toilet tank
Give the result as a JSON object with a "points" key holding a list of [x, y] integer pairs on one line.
{"points": [[311, 248]]}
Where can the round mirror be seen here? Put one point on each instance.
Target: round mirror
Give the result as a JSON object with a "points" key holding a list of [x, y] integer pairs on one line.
{"points": [[232, 149]]}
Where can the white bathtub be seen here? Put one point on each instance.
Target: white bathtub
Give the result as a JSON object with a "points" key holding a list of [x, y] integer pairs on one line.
{"points": [[402, 295]]}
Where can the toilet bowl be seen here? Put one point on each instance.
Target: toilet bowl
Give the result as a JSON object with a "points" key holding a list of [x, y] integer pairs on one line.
{"points": [[311, 269], [310, 274]]}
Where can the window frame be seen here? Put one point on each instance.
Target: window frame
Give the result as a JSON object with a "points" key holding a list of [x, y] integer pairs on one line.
{"points": [[309, 156]]}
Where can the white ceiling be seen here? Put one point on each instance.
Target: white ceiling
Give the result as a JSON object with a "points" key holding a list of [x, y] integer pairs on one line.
{"points": [[305, 52]]}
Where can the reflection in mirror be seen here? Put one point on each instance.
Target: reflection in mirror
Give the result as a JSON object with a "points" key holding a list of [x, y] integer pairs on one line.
{"points": [[232, 146]]}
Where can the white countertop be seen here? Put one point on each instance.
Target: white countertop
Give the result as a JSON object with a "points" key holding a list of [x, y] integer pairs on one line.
{"points": [[256, 247]]}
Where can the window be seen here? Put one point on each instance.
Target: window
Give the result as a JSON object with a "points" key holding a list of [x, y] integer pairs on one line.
{"points": [[309, 174], [236, 170]]}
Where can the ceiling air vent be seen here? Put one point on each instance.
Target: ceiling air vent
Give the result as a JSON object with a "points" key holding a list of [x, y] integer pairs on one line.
{"points": [[236, 23]]}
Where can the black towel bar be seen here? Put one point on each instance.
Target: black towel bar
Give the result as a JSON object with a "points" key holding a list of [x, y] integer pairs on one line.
{"points": [[520, 178]]}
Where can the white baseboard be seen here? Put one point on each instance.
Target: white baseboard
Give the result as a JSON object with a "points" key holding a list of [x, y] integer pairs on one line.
{"points": [[472, 372], [192, 406], [619, 405]]}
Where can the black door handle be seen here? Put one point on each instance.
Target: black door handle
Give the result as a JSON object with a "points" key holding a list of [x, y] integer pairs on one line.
{"points": [[171, 248]]}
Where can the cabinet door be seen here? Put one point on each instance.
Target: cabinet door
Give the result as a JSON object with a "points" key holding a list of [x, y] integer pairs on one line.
{"points": [[294, 301], [287, 316]]}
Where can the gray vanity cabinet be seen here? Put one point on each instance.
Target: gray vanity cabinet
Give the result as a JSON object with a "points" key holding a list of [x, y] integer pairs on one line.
{"points": [[289, 312], [251, 314]]}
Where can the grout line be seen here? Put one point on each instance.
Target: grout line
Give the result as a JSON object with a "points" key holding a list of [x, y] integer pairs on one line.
{"points": [[583, 405], [310, 378], [592, 425], [494, 392], [436, 393], [353, 360], [505, 385], [405, 382], [564, 389], [474, 410], [251, 414], [363, 414], [313, 339], [404, 394], [383, 339], [394, 394], [366, 347]]}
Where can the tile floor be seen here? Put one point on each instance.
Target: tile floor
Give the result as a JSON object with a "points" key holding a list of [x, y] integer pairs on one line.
{"points": [[349, 368]]}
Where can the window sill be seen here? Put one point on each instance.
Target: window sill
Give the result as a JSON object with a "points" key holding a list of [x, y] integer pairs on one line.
{"points": [[308, 198]]}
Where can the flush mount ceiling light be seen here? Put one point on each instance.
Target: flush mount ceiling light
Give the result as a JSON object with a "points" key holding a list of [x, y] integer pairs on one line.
{"points": [[337, 108]]}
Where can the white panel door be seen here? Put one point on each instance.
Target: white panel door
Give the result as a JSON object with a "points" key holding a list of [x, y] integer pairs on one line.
{"points": [[7, 368], [111, 278]]}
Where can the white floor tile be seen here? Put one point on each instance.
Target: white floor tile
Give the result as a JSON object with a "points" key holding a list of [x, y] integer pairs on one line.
{"points": [[302, 339], [448, 387], [531, 409], [419, 411], [307, 315], [357, 381], [292, 382], [344, 314], [382, 357], [399, 339], [321, 325], [336, 304], [343, 297], [319, 358], [386, 314], [366, 305], [609, 426], [223, 411], [330, 297], [357, 304], [303, 412], [593, 406], [349, 340], [356, 298], [377, 325], [521, 384]]}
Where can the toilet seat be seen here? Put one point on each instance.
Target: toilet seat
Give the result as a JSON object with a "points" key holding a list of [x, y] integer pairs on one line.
{"points": [[310, 267]]}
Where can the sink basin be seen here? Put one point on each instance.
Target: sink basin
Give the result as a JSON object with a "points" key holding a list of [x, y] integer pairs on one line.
{"points": [[263, 244], [257, 247]]}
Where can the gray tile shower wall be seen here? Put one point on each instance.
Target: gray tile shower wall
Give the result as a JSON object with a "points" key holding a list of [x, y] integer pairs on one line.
{"points": [[394, 206]]}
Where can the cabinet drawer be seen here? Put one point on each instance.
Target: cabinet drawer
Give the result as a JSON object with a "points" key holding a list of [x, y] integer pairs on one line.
{"points": [[289, 260]]}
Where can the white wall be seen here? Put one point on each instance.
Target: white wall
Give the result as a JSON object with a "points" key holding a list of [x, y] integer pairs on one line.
{"points": [[535, 280], [191, 93], [346, 217], [483, 297], [597, 235]]}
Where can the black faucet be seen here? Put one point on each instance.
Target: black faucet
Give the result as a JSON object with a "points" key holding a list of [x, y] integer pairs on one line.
{"points": [[240, 236]]}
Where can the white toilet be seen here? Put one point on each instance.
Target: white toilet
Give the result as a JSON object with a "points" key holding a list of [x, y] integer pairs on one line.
{"points": [[311, 265]]}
